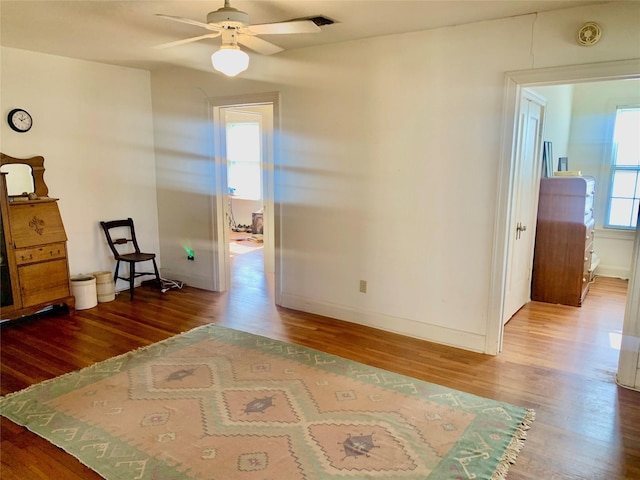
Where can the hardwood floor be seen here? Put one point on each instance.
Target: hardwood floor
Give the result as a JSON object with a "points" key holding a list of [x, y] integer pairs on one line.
{"points": [[560, 361]]}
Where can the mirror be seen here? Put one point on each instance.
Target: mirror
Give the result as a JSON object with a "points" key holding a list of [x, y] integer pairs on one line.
{"points": [[28, 173], [19, 178]]}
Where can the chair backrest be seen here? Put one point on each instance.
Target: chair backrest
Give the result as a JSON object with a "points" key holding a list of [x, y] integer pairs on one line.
{"points": [[128, 231]]}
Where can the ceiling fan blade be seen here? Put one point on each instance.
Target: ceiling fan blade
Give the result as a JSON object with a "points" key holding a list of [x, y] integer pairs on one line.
{"points": [[294, 26], [189, 21], [258, 45], [188, 40]]}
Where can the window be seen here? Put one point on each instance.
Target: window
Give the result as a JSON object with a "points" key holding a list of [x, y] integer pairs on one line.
{"points": [[624, 197], [243, 157]]}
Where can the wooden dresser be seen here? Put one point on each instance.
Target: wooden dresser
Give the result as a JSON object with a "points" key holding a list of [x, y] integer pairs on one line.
{"points": [[564, 240], [35, 270]]}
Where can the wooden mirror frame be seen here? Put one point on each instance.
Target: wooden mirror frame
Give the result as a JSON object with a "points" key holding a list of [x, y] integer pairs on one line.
{"points": [[37, 171]]}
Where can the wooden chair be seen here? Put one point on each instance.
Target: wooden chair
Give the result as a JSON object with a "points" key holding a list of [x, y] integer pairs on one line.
{"points": [[126, 227]]}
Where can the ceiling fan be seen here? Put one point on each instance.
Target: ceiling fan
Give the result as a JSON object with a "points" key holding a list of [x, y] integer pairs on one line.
{"points": [[233, 26]]}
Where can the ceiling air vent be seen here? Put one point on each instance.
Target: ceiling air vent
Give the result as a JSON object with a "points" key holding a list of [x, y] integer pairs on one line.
{"points": [[589, 34], [321, 21]]}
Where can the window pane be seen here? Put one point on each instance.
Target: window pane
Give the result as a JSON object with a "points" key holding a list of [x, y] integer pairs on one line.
{"points": [[245, 179], [243, 157], [621, 212], [243, 142], [625, 169], [625, 184], [627, 137]]}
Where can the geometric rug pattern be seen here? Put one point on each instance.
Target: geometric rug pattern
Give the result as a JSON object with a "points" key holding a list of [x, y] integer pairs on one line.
{"points": [[220, 404]]}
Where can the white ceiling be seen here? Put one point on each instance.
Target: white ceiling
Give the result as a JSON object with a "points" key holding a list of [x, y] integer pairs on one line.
{"points": [[125, 32]]}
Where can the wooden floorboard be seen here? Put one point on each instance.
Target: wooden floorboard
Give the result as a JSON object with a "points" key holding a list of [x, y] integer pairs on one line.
{"points": [[560, 361]]}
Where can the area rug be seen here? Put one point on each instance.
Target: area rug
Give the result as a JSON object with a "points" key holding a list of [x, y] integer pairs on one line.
{"points": [[221, 404]]}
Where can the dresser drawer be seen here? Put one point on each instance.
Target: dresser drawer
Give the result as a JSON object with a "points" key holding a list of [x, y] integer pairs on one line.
{"points": [[588, 207], [41, 282], [590, 234], [586, 267], [40, 254]]}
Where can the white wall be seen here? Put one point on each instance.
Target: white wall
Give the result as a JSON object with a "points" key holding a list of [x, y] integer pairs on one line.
{"points": [[557, 119], [93, 125], [386, 168], [243, 210]]}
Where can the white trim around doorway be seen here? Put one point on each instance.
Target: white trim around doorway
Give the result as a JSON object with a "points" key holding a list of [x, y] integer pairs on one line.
{"points": [[514, 83], [221, 267]]}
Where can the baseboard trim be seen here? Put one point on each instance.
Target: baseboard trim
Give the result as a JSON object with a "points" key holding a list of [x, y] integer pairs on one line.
{"points": [[197, 281], [403, 326], [611, 271]]}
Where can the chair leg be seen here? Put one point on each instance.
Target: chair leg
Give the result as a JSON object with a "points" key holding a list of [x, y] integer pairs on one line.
{"points": [[115, 275], [155, 269], [132, 278]]}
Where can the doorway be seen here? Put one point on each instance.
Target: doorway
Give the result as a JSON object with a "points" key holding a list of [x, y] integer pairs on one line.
{"points": [[503, 242], [244, 130], [245, 212]]}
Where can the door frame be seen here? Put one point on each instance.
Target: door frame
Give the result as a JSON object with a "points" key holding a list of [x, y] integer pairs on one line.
{"points": [[514, 83], [220, 198]]}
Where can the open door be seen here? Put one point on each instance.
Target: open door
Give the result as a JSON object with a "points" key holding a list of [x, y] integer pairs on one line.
{"points": [[527, 165]]}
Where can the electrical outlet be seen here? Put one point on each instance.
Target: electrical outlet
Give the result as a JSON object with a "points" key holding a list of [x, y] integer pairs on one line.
{"points": [[363, 286]]}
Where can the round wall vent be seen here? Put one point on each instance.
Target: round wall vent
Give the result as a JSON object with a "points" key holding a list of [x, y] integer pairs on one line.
{"points": [[589, 34]]}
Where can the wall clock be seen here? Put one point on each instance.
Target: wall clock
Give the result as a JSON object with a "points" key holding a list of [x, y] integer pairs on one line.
{"points": [[20, 120]]}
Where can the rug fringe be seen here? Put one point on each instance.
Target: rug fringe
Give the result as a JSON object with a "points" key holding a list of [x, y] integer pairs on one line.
{"points": [[514, 448]]}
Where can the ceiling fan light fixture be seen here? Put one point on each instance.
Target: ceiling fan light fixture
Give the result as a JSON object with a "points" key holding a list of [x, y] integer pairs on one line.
{"points": [[230, 60]]}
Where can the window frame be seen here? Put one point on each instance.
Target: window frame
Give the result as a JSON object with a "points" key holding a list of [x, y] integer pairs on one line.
{"points": [[614, 168]]}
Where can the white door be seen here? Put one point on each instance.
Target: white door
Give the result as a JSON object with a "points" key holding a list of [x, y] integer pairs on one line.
{"points": [[528, 166]]}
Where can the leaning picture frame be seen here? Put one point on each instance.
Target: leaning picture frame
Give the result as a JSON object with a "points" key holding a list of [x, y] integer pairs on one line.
{"points": [[563, 164], [547, 160]]}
